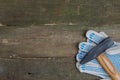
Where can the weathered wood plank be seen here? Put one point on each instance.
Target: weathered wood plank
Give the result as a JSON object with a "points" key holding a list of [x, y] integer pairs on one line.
{"points": [[47, 41], [41, 69], [7, 69], [89, 12]]}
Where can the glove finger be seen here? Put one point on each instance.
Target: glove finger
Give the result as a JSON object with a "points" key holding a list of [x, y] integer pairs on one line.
{"points": [[80, 56], [103, 34], [90, 41], [95, 36], [85, 46], [97, 71]]}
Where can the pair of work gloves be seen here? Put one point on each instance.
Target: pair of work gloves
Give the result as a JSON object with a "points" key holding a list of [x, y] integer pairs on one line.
{"points": [[93, 67]]}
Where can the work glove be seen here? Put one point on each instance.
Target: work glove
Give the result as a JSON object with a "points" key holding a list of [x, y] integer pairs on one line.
{"points": [[93, 67]]}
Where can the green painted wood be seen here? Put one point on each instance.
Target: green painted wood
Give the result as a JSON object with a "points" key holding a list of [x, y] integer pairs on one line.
{"points": [[41, 69]]}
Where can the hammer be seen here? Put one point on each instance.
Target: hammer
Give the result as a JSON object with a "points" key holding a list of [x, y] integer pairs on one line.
{"points": [[97, 52]]}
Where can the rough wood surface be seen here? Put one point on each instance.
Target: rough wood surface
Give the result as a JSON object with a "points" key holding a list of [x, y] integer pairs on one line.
{"points": [[41, 69], [46, 41], [89, 12], [33, 31]]}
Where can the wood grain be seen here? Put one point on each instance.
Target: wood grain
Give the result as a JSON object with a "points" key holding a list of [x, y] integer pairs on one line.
{"points": [[41, 69], [42, 29], [22, 12], [108, 67], [46, 41]]}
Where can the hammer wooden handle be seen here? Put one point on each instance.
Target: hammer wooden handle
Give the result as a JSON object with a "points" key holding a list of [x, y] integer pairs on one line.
{"points": [[109, 67]]}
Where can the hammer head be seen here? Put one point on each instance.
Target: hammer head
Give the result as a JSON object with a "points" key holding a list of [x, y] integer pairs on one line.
{"points": [[97, 50]]}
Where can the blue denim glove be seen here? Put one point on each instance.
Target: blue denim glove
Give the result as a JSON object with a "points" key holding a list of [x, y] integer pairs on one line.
{"points": [[93, 67]]}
